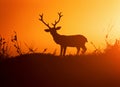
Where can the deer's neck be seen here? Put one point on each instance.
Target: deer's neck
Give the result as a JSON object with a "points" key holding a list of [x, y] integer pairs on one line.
{"points": [[56, 37]]}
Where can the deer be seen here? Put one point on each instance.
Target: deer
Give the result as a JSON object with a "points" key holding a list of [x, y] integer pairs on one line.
{"points": [[64, 41]]}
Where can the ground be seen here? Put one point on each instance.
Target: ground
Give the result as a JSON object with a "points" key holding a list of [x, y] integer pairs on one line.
{"points": [[45, 70]]}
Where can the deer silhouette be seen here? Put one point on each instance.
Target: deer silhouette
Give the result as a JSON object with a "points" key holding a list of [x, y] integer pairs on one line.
{"points": [[65, 41]]}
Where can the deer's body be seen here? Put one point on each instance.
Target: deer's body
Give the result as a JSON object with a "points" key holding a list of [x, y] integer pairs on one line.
{"points": [[65, 41], [70, 41]]}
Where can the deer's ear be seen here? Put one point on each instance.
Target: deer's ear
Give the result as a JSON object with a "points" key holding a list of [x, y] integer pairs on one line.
{"points": [[58, 28], [47, 30]]}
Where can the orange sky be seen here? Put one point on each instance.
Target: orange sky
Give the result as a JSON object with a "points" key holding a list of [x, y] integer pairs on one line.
{"points": [[88, 17]]}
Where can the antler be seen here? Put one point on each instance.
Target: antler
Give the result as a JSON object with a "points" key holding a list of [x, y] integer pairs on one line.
{"points": [[56, 22], [41, 19]]}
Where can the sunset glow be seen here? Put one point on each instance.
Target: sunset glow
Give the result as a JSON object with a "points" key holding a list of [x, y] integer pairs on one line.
{"points": [[90, 18]]}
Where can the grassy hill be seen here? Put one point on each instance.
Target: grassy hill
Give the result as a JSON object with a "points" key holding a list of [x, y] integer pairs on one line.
{"points": [[45, 70]]}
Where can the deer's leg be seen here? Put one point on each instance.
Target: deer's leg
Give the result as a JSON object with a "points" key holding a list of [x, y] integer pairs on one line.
{"points": [[78, 49], [64, 51], [83, 49], [61, 51]]}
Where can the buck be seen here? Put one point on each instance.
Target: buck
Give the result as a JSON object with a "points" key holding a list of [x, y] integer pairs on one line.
{"points": [[65, 41]]}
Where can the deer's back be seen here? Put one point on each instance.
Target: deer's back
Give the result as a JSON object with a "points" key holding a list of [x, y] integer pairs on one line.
{"points": [[72, 40]]}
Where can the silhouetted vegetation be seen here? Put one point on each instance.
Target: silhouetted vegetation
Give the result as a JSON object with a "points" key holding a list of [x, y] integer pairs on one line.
{"points": [[3, 48], [14, 39], [30, 49]]}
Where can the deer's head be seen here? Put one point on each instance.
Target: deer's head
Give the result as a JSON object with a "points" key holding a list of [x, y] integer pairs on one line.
{"points": [[54, 27]]}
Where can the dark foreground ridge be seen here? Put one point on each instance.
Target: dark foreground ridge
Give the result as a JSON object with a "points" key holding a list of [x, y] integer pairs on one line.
{"points": [[43, 70]]}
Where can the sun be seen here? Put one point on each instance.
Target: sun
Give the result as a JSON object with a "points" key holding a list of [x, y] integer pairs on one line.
{"points": [[116, 28]]}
